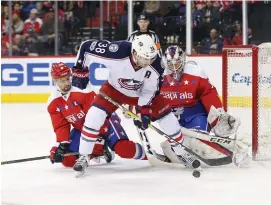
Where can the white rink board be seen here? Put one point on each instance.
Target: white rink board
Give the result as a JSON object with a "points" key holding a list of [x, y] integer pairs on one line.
{"points": [[28, 79], [31, 75], [28, 75]]}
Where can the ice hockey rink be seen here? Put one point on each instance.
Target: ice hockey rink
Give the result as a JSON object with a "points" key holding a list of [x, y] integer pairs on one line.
{"points": [[27, 132]]}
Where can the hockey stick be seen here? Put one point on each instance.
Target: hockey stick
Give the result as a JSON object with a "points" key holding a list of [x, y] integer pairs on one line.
{"points": [[154, 158], [34, 158], [192, 164], [40, 158], [189, 133]]}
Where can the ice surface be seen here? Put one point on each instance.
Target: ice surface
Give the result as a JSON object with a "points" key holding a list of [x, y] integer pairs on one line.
{"points": [[26, 132]]}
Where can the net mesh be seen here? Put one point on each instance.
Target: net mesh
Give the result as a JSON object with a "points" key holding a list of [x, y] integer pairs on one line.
{"points": [[239, 90], [264, 102]]}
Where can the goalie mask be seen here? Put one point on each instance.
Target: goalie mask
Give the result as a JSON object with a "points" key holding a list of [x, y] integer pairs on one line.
{"points": [[144, 50], [175, 59]]}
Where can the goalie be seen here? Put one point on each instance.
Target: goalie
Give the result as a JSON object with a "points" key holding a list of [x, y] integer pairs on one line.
{"points": [[196, 104]]}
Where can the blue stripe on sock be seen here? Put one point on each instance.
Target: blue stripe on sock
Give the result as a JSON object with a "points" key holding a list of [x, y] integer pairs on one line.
{"points": [[140, 151]]}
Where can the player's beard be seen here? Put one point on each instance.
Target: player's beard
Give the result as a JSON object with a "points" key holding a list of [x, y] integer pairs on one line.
{"points": [[66, 89]]}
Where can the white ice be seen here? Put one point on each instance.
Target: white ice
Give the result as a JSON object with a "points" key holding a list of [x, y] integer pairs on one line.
{"points": [[27, 132]]}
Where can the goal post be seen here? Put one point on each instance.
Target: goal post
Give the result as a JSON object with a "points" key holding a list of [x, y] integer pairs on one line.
{"points": [[246, 93]]}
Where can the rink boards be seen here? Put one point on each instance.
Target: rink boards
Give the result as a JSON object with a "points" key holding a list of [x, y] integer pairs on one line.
{"points": [[28, 79]]}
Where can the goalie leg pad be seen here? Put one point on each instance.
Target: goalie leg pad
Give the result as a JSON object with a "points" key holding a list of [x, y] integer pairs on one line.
{"points": [[241, 149]]}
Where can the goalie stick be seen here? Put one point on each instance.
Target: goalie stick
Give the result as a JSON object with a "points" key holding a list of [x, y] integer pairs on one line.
{"points": [[193, 134]]}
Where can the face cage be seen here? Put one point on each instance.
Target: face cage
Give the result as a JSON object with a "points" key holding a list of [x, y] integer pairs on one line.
{"points": [[175, 68]]}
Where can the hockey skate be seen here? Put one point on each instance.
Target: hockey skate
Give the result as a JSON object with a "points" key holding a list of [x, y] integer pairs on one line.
{"points": [[108, 155], [80, 165]]}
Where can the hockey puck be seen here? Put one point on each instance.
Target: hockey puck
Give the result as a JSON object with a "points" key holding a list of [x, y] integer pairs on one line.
{"points": [[196, 164], [196, 173]]}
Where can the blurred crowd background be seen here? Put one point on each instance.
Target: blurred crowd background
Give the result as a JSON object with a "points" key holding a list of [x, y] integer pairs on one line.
{"points": [[215, 24]]}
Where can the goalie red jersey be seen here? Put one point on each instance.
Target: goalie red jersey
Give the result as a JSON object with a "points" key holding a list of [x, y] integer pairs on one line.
{"points": [[191, 96]]}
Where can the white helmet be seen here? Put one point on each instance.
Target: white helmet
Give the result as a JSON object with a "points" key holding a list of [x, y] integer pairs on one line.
{"points": [[175, 58], [145, 48]]}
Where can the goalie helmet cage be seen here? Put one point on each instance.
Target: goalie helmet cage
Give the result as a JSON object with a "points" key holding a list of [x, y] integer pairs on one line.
{"points": [[246, 83]]}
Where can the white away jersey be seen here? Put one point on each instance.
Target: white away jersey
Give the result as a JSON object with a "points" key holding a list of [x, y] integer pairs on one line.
{"points": [[116, 56]]}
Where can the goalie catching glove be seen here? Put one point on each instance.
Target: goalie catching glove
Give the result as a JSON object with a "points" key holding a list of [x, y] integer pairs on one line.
{"points": [[224, 125]]}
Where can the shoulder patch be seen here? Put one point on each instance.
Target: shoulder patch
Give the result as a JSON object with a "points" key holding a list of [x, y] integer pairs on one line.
{"points": [[114, 47]]}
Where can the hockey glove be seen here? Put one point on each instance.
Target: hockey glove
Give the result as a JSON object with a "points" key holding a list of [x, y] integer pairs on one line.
{"points": [[80, 77], [145, 118], [57, 152], [223, 124]]}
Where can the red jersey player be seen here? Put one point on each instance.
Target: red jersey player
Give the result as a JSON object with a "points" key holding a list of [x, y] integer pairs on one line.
{"points": [[193, 99], [67, 107], [187, 90]]}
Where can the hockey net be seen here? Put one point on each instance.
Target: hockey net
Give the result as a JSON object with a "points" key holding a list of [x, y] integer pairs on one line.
{"points": [[247, 93]]}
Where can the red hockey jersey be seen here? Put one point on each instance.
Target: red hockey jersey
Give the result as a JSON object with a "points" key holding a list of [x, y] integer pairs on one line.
{"points": [[193, 88], [69, 110], [34, 25]]}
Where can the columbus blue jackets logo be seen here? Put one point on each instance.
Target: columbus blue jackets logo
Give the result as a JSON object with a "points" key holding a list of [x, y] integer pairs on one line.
{"points": [[113, 47], [130, 84]]}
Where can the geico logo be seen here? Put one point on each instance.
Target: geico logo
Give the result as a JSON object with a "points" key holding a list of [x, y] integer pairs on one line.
{"points": [[31, 74], [238, 78], [175, 95]]}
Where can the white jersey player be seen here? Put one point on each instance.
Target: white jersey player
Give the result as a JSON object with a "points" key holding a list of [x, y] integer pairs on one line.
{"points": [[135, 78]]}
